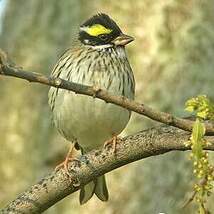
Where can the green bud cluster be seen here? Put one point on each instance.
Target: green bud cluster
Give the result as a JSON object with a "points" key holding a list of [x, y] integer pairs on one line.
{"points": [[203, 170], [202, 107]]}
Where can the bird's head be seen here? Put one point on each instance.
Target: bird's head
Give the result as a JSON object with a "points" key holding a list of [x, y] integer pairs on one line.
{"points": [[101, 30]]}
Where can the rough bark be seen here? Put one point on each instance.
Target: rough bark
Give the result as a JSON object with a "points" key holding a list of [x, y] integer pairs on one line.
{"points": [[57, 185]]}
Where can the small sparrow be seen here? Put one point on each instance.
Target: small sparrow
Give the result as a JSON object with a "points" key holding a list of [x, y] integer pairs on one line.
{"points": [[97, 58]]}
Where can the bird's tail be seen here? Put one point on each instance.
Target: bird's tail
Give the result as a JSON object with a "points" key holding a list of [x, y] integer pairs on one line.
{"points": [[97, 186]]}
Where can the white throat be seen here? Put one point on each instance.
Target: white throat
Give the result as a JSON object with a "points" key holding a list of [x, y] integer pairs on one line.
{"points": [[100, 47]]}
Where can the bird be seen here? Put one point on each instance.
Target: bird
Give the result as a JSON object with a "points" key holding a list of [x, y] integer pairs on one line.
{"points": [[97, 58]]}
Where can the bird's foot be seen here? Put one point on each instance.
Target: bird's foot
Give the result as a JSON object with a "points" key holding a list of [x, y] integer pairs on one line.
{"points": [[113, 143], [69, 158], [65, 163], [96, 90]]}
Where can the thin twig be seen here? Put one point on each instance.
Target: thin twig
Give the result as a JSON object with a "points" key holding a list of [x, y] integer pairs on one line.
{"points": [[122, 101]]}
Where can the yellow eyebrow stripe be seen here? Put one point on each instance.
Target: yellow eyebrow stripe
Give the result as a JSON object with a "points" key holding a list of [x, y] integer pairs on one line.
{"points": [[97, 29]]}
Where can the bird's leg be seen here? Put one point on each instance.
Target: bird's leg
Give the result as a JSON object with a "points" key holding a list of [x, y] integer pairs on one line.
{"points": [[69, 158], [113, 141], [96, 90]]}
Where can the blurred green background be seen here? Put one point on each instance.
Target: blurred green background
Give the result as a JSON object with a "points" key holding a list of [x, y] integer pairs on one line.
{"points": [[172, 58]]}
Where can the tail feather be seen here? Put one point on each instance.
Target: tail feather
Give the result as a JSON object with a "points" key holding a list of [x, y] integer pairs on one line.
{"points": [[101, 190], [86, 192], [98, 187]]}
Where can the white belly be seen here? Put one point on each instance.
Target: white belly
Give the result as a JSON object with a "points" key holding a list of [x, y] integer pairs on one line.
{"points": [[89, 120]]}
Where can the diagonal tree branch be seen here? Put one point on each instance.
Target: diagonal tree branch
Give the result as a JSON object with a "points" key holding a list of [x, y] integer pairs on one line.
{"points": [[142, 109], [56, 185]]}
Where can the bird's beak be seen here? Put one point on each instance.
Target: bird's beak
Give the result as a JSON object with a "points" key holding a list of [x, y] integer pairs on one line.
{"points": [[122, 40]]}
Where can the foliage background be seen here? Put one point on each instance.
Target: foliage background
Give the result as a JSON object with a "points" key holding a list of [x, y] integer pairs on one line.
{"points": [[172, 58]]}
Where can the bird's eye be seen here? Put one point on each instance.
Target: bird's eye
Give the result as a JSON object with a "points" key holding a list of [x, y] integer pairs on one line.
{"points": [[103, 36]]}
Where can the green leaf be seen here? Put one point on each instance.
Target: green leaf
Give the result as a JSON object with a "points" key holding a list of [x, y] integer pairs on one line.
{"points": [[197, 138], [201, 210]]}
